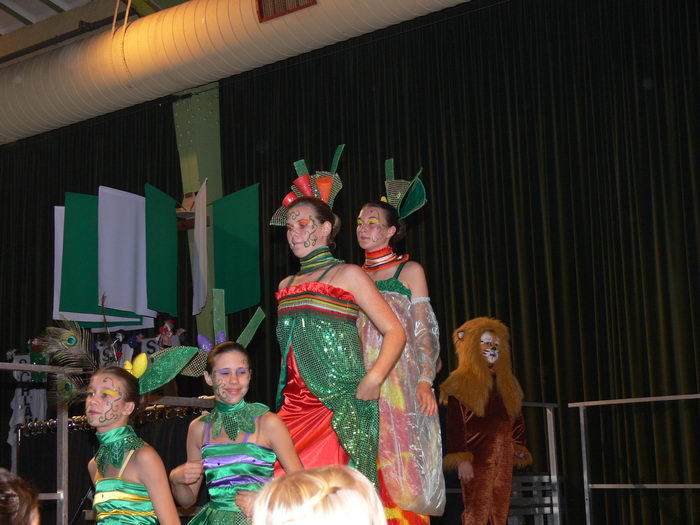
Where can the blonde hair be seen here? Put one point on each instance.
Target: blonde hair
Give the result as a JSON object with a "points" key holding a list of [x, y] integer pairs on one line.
{"points": [[336, 494]]}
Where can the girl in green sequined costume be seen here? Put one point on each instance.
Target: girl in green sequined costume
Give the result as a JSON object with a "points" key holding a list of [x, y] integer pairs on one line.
{"points": [[131, 485], [328, 401], [234, 448]]}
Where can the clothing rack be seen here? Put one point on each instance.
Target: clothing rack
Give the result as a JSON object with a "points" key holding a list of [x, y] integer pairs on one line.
{"points": [[157, 409]]}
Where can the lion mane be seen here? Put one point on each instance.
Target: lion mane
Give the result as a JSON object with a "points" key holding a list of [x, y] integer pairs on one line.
{"points": [[472, 381]]}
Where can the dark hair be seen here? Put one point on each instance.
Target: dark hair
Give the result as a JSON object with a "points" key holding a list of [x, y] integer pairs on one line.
{"points": [[391, 216], [223, 348], [18, 500], [131, 384], [324, 213]]}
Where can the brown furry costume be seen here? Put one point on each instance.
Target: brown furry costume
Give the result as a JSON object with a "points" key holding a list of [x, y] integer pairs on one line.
{"points": [[484, 423]]}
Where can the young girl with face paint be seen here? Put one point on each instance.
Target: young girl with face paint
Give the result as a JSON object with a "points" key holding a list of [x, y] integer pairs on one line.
{"points": [[410, 456], [328, 400], [234, 448], [131, 484]]}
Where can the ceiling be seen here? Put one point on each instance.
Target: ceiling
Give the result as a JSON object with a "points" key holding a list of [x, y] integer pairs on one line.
{"points": [[30, 26], [16, 14]]}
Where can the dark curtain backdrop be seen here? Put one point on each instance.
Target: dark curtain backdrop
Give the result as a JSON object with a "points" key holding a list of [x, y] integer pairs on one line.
{"points": [[123, 150], [559, 141], [559, 144]]}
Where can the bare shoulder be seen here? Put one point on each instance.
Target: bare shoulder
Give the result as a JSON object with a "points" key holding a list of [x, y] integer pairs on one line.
{"points": [[270, 421], [197, 427], [283, 283], [147, 457], [413, 276], [92, 468], [197, 423], [351, 271], [351, 277], [413, 269]]}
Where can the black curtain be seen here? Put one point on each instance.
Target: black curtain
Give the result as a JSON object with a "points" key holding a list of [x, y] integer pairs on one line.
{"points": [[559, 144]]}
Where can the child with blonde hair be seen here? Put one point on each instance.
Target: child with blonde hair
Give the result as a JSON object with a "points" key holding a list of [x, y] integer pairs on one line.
{"points": [[334, 494]]}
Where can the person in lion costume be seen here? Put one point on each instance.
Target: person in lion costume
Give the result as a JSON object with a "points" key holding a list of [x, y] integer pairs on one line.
{"points": [[485, 428]]}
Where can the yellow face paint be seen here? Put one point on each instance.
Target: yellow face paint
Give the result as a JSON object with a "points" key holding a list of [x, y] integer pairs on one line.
{"points": [[111, 393]]}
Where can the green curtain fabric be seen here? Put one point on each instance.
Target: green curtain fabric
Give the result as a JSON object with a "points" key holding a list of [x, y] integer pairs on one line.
{"points": [[161, 256], [559, 141], [236, 222]]}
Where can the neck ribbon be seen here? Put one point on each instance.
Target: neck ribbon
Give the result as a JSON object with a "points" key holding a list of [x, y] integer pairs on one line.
{"points": [[113, 443], [319, 258], [382, 258], [234, 418]]}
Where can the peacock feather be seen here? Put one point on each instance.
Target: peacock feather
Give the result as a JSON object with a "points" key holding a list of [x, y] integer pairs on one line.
{"points": [[69, 345]]}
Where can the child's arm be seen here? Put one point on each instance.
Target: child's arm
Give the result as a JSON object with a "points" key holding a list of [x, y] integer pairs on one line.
{"points": [[186, 479], [275, 432], [152, 473], [92, 469]]}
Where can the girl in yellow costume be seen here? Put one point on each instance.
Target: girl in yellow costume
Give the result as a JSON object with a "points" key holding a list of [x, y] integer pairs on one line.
{"points": [[411, 482], [131, 485]]}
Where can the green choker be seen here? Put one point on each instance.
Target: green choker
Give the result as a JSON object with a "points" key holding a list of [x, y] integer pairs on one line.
{"points": [[319, 258], [234, 418], [113, 443]]}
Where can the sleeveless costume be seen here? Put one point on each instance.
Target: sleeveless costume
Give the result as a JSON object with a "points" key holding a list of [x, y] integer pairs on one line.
{"points": [[228, 468], [322, 366], [410, 454], [120, 501]]}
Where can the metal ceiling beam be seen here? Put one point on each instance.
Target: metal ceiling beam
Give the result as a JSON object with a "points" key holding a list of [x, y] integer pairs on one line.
{"points": [[55, 7], [15, 14]]}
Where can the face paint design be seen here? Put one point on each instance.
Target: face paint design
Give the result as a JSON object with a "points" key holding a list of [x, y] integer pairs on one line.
{"points": [[489, 346], [104, 404], [372, 232], [230, 378], [303, 231]]}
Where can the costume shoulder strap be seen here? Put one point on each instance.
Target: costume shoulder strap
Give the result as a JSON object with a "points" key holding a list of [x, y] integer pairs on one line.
{"points": [[330, 267], [398, 270], [125, 462]]}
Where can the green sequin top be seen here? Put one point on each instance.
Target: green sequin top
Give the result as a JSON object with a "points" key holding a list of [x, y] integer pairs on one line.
{"points": [[317, 321]]}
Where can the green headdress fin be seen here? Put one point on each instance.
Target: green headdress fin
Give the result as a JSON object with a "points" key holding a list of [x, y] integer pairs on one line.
{"points": [[406, 196], [165, 365], [252, 327]]}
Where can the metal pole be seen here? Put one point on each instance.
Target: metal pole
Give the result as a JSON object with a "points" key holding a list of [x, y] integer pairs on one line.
{"points": [[584, 453], [552, 461], [62, 464]]}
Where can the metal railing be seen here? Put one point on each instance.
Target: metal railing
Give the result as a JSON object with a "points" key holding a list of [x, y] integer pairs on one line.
{"points": [[588, 487], [60, 496], [537, 494]]}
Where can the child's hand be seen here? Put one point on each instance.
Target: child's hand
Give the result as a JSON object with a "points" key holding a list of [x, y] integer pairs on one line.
{"points": [[245, 500], [426, 399], [465, 471], [188, 473], [369, 388]]}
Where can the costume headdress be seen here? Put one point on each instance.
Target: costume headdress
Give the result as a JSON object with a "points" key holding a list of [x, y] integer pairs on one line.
{"points": [[323, 185], [70, 346], [406, 196], [192, 361], [472, 381]]}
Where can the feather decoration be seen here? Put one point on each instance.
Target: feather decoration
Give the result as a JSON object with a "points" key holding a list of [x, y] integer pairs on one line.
{"points": [[70, 346]]}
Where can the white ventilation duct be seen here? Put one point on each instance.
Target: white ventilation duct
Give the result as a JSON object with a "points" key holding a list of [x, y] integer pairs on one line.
{"points": [[185, 46]]}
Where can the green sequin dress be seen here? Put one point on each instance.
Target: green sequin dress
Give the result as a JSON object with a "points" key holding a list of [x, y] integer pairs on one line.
{"points": [[322, 367]]}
